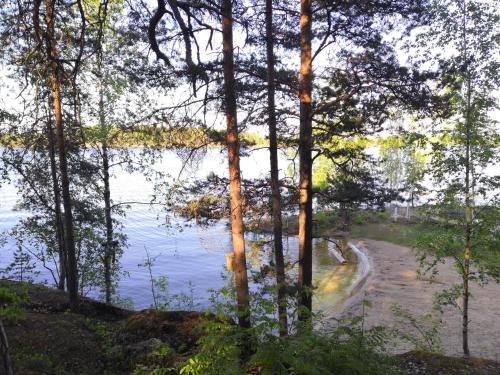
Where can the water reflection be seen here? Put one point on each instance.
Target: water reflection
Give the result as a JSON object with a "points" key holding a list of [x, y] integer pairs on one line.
{"points": [[194, 255], [332, 280]]}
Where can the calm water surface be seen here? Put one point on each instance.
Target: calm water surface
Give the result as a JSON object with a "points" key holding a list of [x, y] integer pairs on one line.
{"points": [[191, 256]]}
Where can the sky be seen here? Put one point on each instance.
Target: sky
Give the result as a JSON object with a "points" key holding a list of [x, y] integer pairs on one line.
{"points": [[11, 101]]}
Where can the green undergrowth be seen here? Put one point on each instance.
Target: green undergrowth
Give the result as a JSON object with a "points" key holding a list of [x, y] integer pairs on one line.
{"points": [[10, 303], [404, 234]]}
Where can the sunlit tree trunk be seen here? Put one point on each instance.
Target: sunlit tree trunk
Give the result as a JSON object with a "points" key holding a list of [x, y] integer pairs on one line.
{"points": [[233, 145], [53, 60], [305, 159], [275, 187]]}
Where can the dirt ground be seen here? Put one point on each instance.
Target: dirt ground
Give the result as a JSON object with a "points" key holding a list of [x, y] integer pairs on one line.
{"points": [[394, 280]]}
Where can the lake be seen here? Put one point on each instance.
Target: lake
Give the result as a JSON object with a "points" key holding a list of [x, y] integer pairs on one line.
{"points": [[190, 256]]}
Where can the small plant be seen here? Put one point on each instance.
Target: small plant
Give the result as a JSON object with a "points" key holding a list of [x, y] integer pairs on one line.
{"points": [[126, 303], [383, 216], [423, 332], [158, 361], [10, 304], [162, 299]]}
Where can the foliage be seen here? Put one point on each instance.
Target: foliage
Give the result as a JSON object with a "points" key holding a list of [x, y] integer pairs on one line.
{"points": [[420, 331], [465, 193], [23, 266], [40, 362], [154, 363], [354, 186], [442, 237], [346, 349], [404, 164], [163, 300], [10, 303]]}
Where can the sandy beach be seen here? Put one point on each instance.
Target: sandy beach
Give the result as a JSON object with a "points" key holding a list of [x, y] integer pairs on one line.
{"points": [[393, 280]]}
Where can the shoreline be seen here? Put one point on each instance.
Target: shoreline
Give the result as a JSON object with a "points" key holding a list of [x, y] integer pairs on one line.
{"points": [[393, 280], [362, 280]]}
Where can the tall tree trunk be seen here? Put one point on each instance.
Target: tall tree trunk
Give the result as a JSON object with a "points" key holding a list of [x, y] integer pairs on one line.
{"points": [[53, 60], [469, 200], [469, 203], [109, 246], [305, 158], [273, 151], [233, 148], [57, 207], [468, 234], [109, 249]]}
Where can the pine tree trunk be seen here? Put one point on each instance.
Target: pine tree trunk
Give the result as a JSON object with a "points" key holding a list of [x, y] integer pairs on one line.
{"points": [[57, 208], [237, 229], [61, 144], [275, 187], [305, 158]]}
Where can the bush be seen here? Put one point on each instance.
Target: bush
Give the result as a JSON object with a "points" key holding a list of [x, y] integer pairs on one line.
{"points": [[224, 348], [420, 331], [10, 305], [383, 216], [347, 350], [156, 360]]}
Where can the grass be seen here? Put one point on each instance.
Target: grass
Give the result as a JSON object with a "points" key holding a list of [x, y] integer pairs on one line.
{"points": [[371, 225], [404, 234], [365, 224]]}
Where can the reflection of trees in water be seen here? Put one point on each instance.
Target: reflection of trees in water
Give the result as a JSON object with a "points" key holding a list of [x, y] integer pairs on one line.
{"points": [[191, 158], [321, 255], [332, 280], [213, 241]]}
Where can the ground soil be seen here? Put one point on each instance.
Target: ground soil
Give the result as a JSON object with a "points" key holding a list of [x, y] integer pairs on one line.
{"points": [[394, 280], [47, 338]]}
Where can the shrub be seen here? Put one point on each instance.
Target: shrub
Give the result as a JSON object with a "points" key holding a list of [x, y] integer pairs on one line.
{"points": [[10, 305]]}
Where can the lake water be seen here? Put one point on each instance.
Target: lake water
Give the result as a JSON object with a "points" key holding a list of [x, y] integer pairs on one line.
{"points": [[191, 256]]}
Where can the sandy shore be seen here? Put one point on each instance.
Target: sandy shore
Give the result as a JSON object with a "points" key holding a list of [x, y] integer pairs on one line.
{"points": [[393, 280]]}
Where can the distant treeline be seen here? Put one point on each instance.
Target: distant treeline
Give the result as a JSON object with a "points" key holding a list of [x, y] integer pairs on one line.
{"points": [[173, 137], [139, 136]]}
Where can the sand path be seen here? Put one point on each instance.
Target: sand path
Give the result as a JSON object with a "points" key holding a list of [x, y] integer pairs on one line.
{"points": [[394, 280]]}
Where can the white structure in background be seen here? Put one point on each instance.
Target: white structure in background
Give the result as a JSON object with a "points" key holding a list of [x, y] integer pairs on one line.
{"points": [[397, 212]]}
